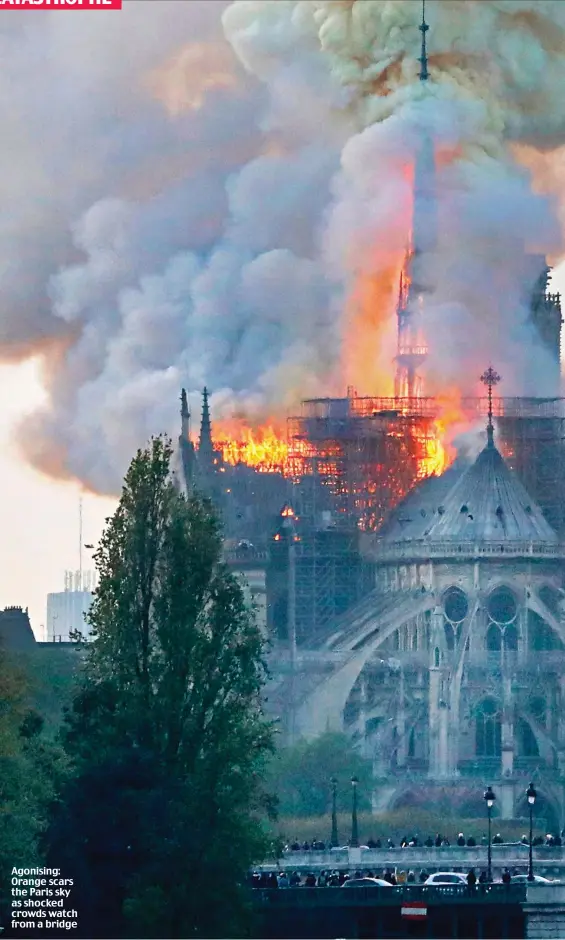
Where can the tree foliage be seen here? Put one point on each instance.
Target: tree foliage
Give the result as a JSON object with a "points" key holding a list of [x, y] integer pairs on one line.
{"points": [[30, 768], [300, 776], [166, 731]]}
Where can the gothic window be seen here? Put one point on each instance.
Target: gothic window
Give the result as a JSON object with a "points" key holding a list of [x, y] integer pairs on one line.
{"points": [[501, 605], [493, 639], [449, 636], [455, 605], [510, 638], [537, 708], [488, 726], [412, 744], [527, 744]]}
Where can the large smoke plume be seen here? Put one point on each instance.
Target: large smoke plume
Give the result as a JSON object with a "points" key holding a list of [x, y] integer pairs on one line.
{"points": [[210, 193]]}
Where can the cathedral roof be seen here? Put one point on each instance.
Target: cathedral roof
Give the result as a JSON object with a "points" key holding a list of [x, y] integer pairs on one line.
{"points": [[489, 503], [484, 503], [417, 512]]}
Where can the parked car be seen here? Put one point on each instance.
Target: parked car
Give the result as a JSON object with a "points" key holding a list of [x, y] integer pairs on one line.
{"points": [[446, 878], [538, 880], [366, 883]]}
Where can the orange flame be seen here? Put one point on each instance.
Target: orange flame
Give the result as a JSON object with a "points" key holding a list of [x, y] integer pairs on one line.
{"points": [[369, 339], [264, 448], [440, 450], [367, 360]]}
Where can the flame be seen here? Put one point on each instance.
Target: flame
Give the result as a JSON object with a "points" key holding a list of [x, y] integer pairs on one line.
{"points": [[440, 449], [418, 445], [370, 332], [264, 448]]}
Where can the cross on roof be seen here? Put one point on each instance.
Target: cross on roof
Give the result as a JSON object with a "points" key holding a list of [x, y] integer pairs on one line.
{"points": [[490, 378]]}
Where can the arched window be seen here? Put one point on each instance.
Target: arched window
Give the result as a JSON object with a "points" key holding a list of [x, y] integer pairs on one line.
{"points": [[488, 726], [537, 708], [501, 605], [510, 637], [527, 744], [436, 657], [455, 605], [449, 636], [493, 639]]}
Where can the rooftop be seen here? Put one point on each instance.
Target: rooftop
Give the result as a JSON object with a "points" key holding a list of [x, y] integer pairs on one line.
{"points": [[482, 509]]}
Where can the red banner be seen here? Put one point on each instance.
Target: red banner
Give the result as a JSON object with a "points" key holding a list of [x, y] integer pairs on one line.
{"points": [[60, 4], [414, 910]]}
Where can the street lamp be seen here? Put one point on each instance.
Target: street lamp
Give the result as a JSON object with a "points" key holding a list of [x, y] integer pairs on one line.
{"points": [[289, 524], [334, 840], [354, 824], [489, 799], [531, 794]]}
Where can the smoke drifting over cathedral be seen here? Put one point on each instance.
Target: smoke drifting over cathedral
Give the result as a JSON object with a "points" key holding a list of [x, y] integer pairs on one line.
{"points": [[239, 208]]}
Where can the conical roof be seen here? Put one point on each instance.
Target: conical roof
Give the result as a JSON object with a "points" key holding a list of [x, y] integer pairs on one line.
{"points": [[488, 503], [414, 517]]}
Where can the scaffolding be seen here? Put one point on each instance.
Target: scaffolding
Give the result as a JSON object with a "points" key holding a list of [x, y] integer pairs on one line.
{"points": [[351, 460], [331, 576]]}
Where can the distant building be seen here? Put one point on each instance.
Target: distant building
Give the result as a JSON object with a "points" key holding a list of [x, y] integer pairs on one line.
{"points": [[15, 630], [66, 610]]}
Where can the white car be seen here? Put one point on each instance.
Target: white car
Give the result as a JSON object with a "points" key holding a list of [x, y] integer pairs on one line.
{"points": [[538, 880], [446, 878], [366, 883]]}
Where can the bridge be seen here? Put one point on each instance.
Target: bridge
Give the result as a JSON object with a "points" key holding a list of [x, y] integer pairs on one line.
{"points": [[486, 911], [550, 861]]}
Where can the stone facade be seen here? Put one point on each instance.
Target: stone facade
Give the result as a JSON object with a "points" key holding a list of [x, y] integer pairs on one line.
{"points": [[452, 671]]}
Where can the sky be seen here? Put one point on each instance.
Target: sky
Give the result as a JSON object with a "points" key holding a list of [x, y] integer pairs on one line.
{"points": [[39, 517]]}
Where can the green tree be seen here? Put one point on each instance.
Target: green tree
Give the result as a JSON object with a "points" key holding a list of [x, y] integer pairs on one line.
{"points": [[300, 776], [166, 731], [31, 766]]}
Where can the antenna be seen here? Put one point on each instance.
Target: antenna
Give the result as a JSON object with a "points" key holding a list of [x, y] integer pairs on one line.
{"points": [[423, 27], [80, 543]]}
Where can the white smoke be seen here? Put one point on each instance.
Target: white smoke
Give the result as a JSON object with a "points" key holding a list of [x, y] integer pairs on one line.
{"points": [[177, 214]]}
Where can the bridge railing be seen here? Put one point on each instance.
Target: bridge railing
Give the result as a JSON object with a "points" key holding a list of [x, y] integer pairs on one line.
{"points": [[392, 896], [418, 857]]}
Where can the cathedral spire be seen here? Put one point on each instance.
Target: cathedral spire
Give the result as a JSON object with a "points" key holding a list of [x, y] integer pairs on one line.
{"points": [[424, 75], [490, 378], [185, 416], [414, 282], [205, 446]]}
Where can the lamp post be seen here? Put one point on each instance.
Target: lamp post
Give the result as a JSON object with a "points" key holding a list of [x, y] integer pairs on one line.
{"points": [[489, 799], [334, 838], [531, 794], [354, 824], [289, 525]]}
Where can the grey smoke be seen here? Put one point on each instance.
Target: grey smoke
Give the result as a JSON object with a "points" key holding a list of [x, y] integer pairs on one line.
{"points": [[183, 208], [187, 251]]}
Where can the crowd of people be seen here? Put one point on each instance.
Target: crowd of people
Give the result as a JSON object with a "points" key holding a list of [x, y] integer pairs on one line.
{"points": [[317, 845], [336, 879]]}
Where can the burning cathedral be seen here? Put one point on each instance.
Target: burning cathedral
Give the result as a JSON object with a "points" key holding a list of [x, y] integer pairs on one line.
{"points": [[413, 600]]}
